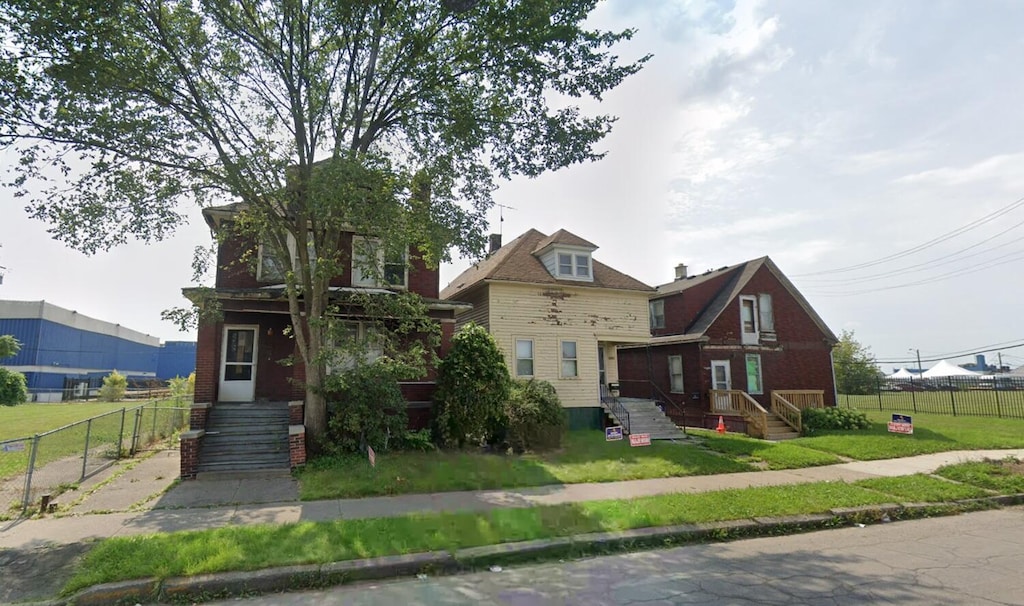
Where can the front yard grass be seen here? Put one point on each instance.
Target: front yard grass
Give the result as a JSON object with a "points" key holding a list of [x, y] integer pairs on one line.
{"points": [[585, 457], [253, 547], [932, 433], [1006, 476], [773, 455]]}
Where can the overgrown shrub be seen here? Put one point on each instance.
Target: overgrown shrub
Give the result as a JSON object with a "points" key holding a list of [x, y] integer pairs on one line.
{"points": [[114, 387], [364, 407], [534, 419], [182, 386], [472, 388], [13, 389], [818, 419]]}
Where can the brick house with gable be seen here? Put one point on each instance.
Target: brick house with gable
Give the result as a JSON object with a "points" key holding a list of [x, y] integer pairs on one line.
{"points": [[740, 343], [248, 400]]}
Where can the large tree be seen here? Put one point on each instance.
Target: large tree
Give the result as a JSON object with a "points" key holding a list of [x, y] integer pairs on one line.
{"points": [[855, 368], [393, 117]]}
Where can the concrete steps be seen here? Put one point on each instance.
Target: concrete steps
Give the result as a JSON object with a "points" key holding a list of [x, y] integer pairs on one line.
{"points": [[249, 436], [646, 417]]}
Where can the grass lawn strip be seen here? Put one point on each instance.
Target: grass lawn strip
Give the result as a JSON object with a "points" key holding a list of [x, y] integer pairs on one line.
{"points": [[586, 457], [774, 455], [256, 547], [1004, 477], [932, 433]]}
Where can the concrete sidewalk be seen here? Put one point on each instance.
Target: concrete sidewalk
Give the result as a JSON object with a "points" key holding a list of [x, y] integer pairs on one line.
{"points": [[232, 500]]}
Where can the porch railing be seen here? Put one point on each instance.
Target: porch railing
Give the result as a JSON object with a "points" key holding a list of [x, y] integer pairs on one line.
{"points": [[786, 411], [802, 398], [616, 408], [726, 401]]}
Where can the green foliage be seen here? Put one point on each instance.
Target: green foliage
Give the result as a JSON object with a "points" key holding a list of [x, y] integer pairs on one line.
{"points": [[856, 373], [421, 440], [533, 419], [182, 386], [818, 419], [364, 407], [9, 346], [472, 388], [114, 387], [13, 389], [398, 127]]}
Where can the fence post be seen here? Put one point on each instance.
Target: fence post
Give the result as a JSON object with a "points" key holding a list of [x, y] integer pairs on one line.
{"points": [[120, 434], [156, 409], [85, 455], [28, 476], [135, 430], [995, 388], [878, 390], [952, 396], [913, 395]]}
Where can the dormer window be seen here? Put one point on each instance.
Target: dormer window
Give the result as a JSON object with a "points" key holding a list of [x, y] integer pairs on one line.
{"points": [[574, 266]]}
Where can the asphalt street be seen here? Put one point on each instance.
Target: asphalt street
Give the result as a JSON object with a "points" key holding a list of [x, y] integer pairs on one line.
{"points": [[972, 559]]}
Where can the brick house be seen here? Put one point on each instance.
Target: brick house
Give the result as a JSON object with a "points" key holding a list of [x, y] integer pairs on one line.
{"points": [[248, 399], [739, 342]]}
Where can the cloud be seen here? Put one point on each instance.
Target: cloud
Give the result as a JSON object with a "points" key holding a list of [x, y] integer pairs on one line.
{"points": [[1001, 167]]}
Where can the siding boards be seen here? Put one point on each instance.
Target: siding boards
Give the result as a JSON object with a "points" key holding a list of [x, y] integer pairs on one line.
{"points": [[551, 314]]}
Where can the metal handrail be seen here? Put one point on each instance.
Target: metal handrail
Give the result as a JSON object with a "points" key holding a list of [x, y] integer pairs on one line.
{"points": [[667, 398], [615, 407]]}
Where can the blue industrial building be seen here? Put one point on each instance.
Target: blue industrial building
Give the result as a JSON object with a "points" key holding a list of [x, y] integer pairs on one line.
{"points": [[65, 354]]}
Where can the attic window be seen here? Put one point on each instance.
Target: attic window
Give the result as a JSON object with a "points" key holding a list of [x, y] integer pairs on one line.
{"points": [[573, 265]]}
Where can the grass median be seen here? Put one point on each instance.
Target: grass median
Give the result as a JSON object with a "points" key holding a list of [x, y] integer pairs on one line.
{"points": [[241, 548]]}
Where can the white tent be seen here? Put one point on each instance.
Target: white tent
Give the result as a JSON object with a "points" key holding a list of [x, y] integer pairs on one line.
{"points": [[945, 369], [902, 373]]}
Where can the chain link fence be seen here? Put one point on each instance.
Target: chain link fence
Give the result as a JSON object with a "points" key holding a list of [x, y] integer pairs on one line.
{"points": [[55, 461]]}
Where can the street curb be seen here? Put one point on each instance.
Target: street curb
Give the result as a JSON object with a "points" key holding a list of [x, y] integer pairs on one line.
{"points": [[204, 587]]}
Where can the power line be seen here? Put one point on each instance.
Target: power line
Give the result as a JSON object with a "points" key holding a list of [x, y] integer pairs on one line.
{"points": [[951, 355], [937, 240]]}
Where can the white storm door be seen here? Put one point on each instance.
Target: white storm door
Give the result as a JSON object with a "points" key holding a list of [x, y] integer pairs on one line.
{"points": [[721, 380], [238, 364]]}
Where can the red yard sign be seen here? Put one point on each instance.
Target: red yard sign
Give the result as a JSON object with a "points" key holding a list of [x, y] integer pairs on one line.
{"points": [[639, 439]]}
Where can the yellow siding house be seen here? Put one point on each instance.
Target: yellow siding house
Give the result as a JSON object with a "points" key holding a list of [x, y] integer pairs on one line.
{"points": [[557, 314]]}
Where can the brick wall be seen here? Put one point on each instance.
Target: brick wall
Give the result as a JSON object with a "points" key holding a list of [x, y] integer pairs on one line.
{"points": [[207, 362], [190, 454], [198, 415], [297, 445]]}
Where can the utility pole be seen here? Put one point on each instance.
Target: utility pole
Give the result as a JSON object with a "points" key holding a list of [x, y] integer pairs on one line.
{"points": [[1000, 354]]}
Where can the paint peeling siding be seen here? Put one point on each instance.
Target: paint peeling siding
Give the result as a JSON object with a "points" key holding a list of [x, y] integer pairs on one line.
{"points": [[551, 314]]}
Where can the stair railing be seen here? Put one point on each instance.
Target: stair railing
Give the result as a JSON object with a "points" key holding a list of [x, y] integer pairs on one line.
{"points": [[786, 411], [616, 408], [666, 398], [741, 402]]}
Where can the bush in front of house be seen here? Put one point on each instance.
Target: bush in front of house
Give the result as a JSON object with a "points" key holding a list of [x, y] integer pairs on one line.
{"points": [[472, 388], [182, 386], [364, 407], [818, 419], [533, 419], [114, 387], [13, 388]]}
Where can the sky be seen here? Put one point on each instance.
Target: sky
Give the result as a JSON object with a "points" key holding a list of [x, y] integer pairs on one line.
{"points": [[872, 149]]}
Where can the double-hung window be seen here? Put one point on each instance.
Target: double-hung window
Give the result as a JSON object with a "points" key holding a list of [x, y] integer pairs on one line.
{"points": [[524, 357], [657, 309], [570, 363], [574, 266], [675, 374], [757, 319], [273, 266], [372, 265]]}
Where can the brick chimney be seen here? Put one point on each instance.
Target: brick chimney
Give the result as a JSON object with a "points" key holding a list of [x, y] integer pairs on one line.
{"points": [[680, 271], [495, 244]]}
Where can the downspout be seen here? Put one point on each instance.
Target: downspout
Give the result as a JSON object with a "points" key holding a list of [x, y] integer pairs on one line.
{"points": [[835, 389]]}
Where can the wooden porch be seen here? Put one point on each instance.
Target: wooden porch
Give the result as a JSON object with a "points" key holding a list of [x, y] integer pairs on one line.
{"points": [[781, 420]]}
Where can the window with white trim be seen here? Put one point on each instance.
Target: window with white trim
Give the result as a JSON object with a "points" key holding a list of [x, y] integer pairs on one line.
{"points": [[766, 316], [748, 319], [373, 266], [573, 265], [524, 357], [657, 309], [352, 342], [753, 366], [272, 267], [570, 363], [675, 374]]}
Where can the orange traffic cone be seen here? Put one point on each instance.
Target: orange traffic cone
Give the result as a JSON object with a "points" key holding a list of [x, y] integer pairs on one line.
{"points": [[721, 425]]}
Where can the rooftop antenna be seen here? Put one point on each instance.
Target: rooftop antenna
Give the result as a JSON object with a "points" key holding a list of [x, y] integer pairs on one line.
{"points": [[501, 216]]}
